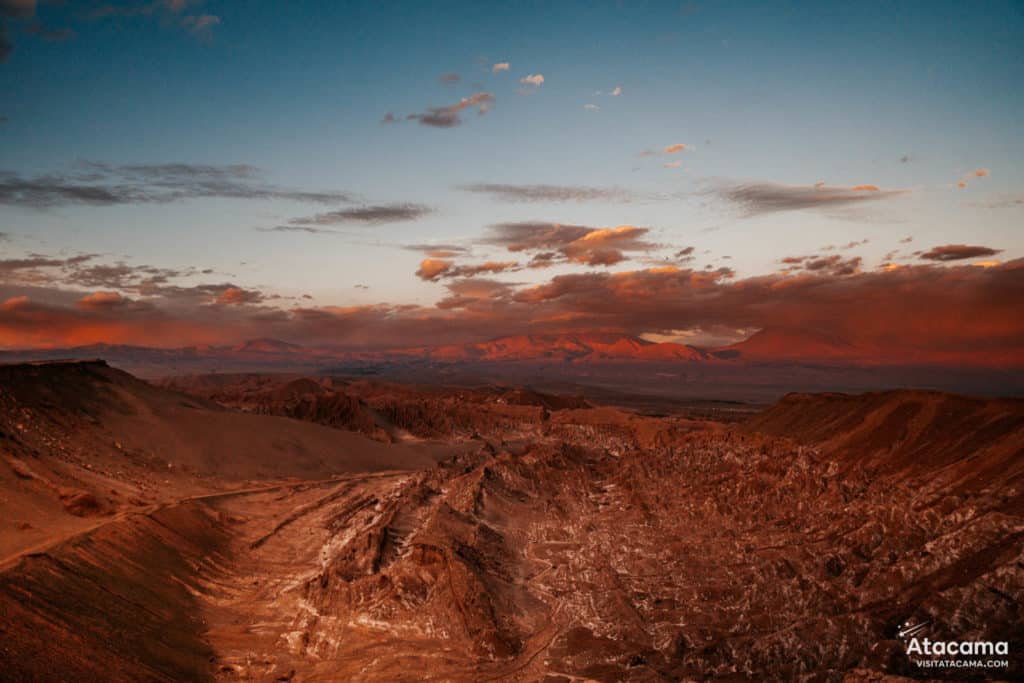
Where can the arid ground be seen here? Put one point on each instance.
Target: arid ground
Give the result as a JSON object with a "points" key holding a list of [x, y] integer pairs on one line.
{"points": [[285, 528]]}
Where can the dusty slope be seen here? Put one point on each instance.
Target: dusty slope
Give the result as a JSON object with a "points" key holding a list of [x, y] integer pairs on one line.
{"points": [[95, 400], [80, 441], [926, 431]]}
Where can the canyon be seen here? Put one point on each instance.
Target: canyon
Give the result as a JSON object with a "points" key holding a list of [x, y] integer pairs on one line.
{"points": [[298, 527]]}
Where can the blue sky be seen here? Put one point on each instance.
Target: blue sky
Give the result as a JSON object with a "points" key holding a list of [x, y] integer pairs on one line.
{"points": [[908, 98]]}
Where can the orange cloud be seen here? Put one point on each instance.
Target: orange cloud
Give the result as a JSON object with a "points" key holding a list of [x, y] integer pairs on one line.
{"points": [[433, 269], [576, 243], [235, 296], [674, 149], [101, 300], [915, 313]]}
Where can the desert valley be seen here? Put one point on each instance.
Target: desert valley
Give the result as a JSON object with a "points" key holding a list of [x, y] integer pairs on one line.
{"points": [[320, 528]]}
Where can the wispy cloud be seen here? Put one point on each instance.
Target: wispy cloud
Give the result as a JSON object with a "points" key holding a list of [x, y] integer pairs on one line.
{"points": [[6, 46], [958, 252], [102, 184], [17, 9], [977, 173], [449, 116], [381, 213], [450, 78], [760, 198], [51, 35], [1003, 201], [200, 25], [535, 80], [437, 250], [308, 229], [499, 67], [548, 193]]}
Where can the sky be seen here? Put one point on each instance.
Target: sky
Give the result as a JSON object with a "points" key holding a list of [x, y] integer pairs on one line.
{"points": [[178, 172]]}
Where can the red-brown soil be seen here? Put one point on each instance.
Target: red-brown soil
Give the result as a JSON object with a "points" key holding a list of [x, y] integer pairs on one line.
{"points": [[540, 540]]}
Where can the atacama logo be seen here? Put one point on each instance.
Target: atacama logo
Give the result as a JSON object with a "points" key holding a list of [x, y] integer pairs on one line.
{"points": [[950, 654]]}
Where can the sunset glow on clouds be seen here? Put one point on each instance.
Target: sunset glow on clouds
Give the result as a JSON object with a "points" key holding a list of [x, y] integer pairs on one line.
{"points": [[378, 184]]}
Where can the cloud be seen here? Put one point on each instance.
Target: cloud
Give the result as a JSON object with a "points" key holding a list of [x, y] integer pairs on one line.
{"points": [[574, 243], [476, 296], [674, 149], [101, 300], [1004, 201], [616, 91], [958, 252], [308, 229], [17, 9], [672, 164], [834, 265], [548, 193], [450, 116], [200, 25], [760, 198], [978, 173], [102, 184], [450, 78], [954, 314], [181, 5], [440, 251], [170, 286], [59, 35], [236, 296], [141, 8], [431, 269], [6, 46], [529, 236], [171, 12], [373, 215], [499, 67], [434, 269], [591, 107], [535, 80]]}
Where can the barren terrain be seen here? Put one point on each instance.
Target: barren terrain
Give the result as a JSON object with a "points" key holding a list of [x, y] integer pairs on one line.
{"points": [[317, 529]]}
